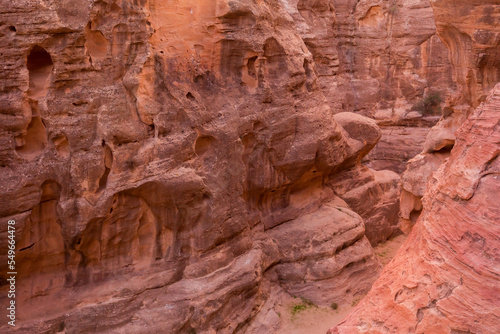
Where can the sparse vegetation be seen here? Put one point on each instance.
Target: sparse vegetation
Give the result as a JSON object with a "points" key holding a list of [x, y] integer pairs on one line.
{"points": [[307, 302], [297, 308], [334, 306], [302, 306], [355, 301], [429, 105], [382, 254]]}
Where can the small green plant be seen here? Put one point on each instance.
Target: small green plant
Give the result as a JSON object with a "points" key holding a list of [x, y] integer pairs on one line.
{"points": [[297, 308], [429, 105], [304, 305], [355, 301], [382, 254], [334, 306], [307, 302]]}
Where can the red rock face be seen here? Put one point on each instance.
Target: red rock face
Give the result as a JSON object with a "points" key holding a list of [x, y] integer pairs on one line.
{"points": [[373, 55], [184, 165], [378, 58], [167, 166], [445, 279], [470, 31]]}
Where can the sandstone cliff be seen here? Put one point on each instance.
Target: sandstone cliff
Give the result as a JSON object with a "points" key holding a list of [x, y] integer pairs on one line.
{"points": [[377, 58], [168, 166], [189, 165], [445, 279], [470, 31]]}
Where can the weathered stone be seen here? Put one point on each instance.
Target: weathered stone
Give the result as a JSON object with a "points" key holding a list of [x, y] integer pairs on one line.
{"points": [[446, 276], [156, 156]]}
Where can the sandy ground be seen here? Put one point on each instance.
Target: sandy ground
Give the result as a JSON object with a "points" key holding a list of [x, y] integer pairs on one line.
{"points": [[317, 320], [387, 250], [314, 320]]}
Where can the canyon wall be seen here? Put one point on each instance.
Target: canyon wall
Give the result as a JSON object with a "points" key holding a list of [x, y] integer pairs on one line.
{"points": [[379, 59], [190, 165], [445, 279], [173, 166], [470, 31]]}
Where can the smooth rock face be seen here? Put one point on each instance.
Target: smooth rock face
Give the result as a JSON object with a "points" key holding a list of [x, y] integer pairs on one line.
{"points": [[446, 278], [168, 166]]}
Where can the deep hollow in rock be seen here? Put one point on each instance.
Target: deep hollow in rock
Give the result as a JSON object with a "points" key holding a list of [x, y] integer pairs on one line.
{"points": [[40, 65]]}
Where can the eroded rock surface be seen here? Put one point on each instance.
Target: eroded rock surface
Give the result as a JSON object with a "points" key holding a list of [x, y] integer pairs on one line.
{"points": [[167, 166], [445, 279], [379, 59], [470, 31]]}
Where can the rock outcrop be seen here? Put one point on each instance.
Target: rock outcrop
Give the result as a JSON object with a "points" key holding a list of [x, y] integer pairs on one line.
{"points": [[378, 58], [373, 56], [186, 165], [372, 194], [168, 166], [470, 31], [446, 279]]}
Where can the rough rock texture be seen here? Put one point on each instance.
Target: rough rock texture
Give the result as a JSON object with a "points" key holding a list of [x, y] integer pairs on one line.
{"points": [[470, 31], [373, 55], [378, 58], [446, 278], [168, 166], [375, 196], [372, 194], [401, 140]]}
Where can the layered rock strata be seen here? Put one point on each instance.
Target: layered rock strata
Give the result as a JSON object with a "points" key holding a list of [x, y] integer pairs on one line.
{"points": [[446, 279], [168, 166], [470, 31], [379, 59], [372, 194]]}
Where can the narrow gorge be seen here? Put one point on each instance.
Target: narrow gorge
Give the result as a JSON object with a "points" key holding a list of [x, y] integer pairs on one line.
{"points": [[250, 166]]}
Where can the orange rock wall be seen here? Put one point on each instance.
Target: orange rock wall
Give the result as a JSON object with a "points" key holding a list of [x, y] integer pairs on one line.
{"points": [[167, 165]]}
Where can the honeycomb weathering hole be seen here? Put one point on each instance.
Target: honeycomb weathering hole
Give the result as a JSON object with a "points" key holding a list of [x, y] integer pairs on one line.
{"points": [[96, 44], [249, 75], [40, 65], [61, 145], [108, 161], [203, 144], [33, 142]]}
